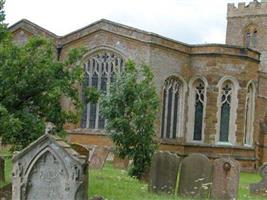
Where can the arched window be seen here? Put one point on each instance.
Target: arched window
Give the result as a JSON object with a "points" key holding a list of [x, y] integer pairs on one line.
{"points": [[227, 106], [249, 114], [172, 109], [99, 71], [226, 98], [196, 111], [250, 36]]}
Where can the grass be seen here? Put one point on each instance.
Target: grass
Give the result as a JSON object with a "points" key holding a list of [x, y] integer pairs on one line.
{"points": [[115, 184], [8, 166]]}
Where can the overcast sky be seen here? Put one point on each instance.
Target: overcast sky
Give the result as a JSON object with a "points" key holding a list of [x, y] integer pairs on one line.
{"points": [[190, 21]]}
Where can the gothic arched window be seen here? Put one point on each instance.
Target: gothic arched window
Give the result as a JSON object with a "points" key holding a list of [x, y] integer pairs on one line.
{"points": [[172, 109], [99, 70], [196, 111], [227, 106], [249, 114], [250, 34], [199, 109], [226, 98]]}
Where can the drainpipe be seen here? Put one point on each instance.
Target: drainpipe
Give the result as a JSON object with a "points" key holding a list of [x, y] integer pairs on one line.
{"points": [[59, 49]]}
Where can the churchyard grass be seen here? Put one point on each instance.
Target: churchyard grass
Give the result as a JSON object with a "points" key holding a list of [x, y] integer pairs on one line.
{"points": [[8, 166], [115, 184]]}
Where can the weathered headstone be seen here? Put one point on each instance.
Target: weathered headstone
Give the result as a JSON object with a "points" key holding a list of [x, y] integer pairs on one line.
{"points": [[120, 163], [99, 157], [82, 150], [225, 179], [195, 176], [2, 169], [261, 187], [163, 172], [49, 169]]}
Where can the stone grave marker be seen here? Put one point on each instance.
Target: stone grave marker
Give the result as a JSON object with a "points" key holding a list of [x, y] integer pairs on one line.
{"points": [[261, 187], [2, 169], [195, 176], [98, 158], [82, 150], [163, 172], [225, 179], [49, 169], [120, 163]]}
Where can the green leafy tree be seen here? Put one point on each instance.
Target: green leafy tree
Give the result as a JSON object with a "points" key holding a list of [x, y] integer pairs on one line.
{"points": [[32, 83], [130, 108], [3, 26]]}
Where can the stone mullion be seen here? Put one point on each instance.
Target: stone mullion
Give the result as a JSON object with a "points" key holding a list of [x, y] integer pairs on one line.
{"points": [[247, 117], [99, 89], [89, 84], [251, 113], [194, 111], [172, 111], [180, 111], [166, 112], [109, 72]]}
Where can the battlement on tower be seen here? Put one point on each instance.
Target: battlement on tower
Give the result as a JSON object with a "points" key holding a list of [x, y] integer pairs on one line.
{"points": [[252, 9]]}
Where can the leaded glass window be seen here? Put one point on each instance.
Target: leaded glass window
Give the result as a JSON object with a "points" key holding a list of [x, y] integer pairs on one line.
{"points": [[199, 89], [226, 98], [171, 111], [99, 69], [249, 114]]}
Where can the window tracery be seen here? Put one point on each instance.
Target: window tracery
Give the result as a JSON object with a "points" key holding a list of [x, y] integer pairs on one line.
{"points": [[172, 110], [99, 70]]}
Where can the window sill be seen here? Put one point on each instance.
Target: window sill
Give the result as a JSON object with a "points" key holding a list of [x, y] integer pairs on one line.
{"points": [[86, 131], [224, 144]]}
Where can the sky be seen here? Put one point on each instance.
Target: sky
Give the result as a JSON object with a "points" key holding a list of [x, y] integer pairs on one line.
{"points": [[189, 21]]}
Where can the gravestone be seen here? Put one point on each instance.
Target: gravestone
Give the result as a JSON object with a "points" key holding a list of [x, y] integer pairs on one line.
{"points": [[99, 157], [82, 150], [120, 163], [225, 179], [261, 187], [195, 176], [163, 172], [2, 169], [49, 169]]}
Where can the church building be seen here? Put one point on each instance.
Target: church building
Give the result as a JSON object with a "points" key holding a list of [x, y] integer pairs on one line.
{"points": [[213, 97]]}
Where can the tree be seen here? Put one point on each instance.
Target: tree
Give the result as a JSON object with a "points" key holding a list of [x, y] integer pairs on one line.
{"points": [[130, 108], [32, 83], [3, 27]]}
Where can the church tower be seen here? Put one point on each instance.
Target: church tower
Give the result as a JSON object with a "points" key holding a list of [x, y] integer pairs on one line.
{"points": [[247, 26]]}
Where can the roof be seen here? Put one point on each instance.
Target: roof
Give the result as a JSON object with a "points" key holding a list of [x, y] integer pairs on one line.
{"points": [[31, 27]]}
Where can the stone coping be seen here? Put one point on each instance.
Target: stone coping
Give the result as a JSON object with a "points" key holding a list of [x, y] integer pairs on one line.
{"points": [[139, 35], [58, 141]]}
